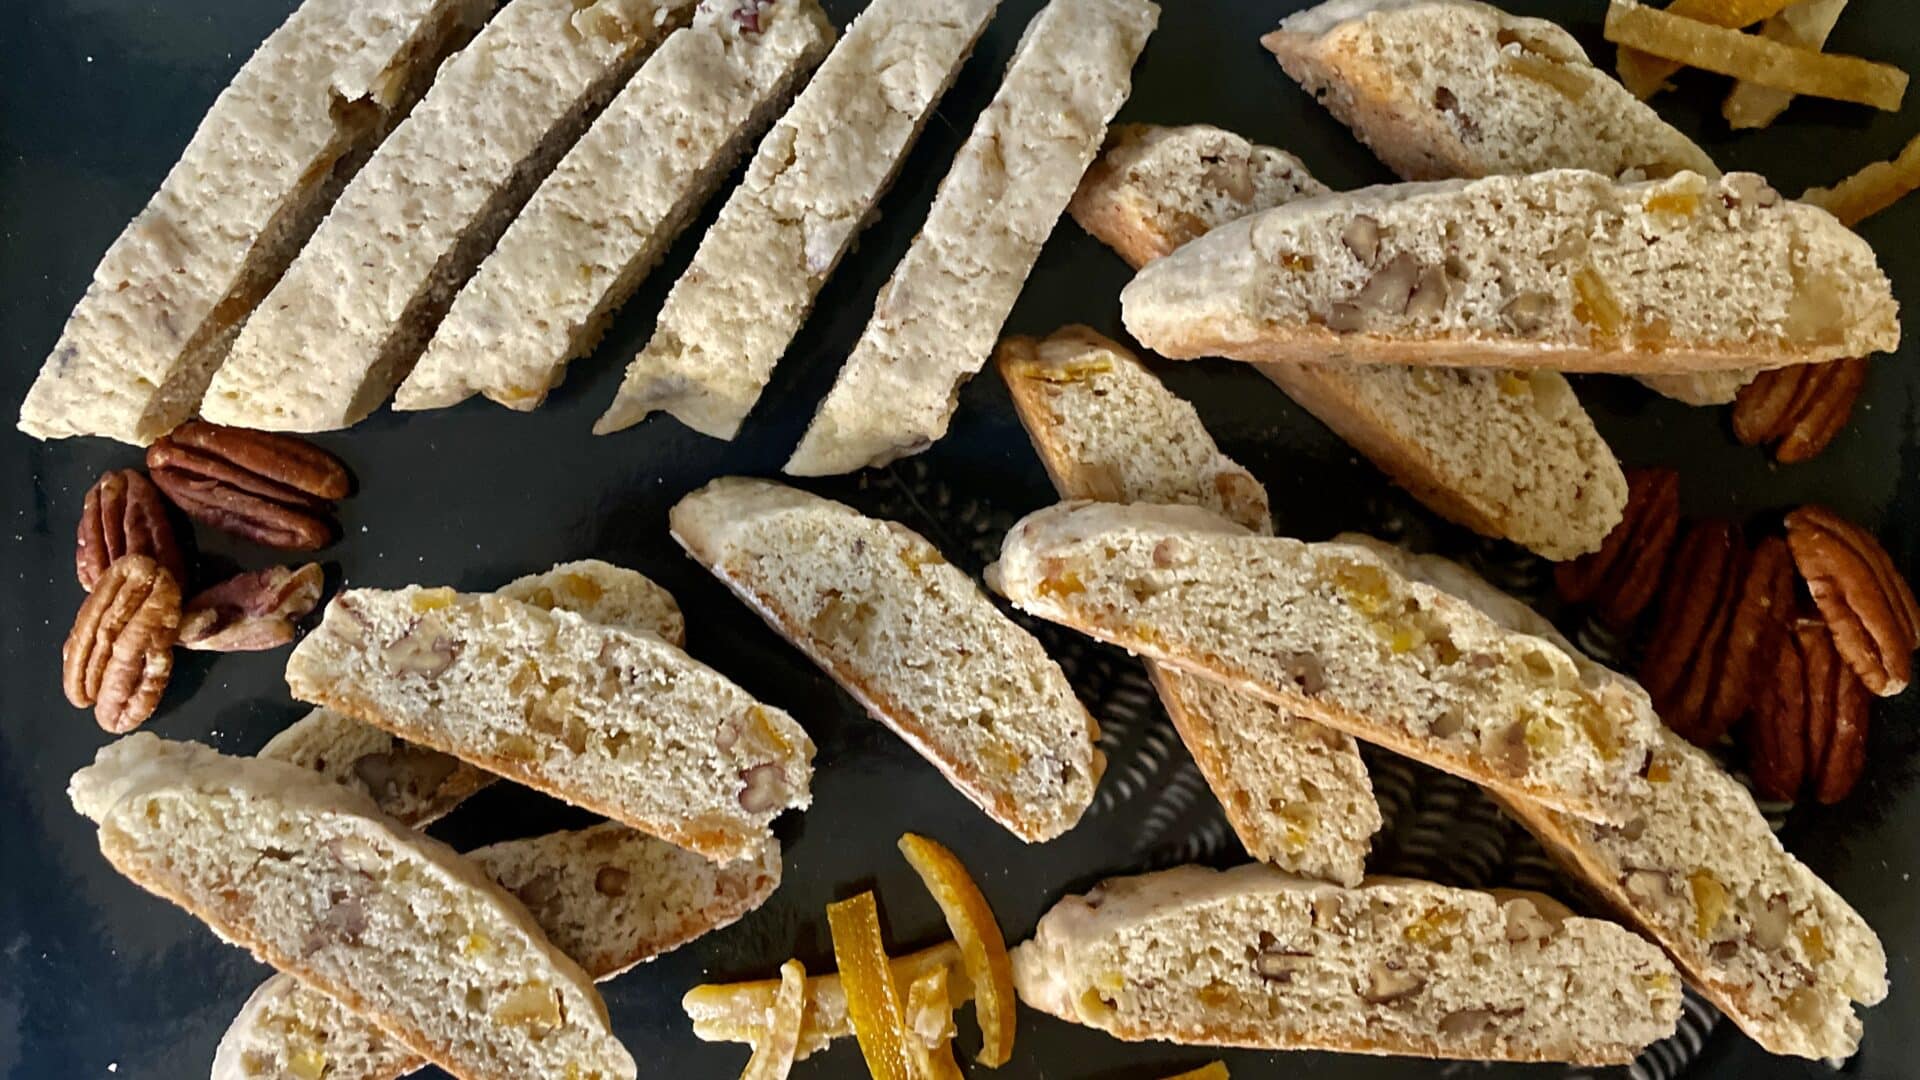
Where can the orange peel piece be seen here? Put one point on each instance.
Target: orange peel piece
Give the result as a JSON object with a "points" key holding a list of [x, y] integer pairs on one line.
{"points": [[773, 1055], [873, 1000], [1645, 75], [1872, 189], [737, 1012], [1753, 58], [983, 952], [1804, 25], [1212, 1070], [930, 1014]]}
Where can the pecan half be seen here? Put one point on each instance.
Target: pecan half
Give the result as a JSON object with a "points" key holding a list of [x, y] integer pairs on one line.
{"points": [[1836, 732], [124, 515], [252, 611], [1761, 608], [1620, 579], [119, 655], [1681, 661], [1801, 408], [1777, 754], [1868, 605], [274, 490]]}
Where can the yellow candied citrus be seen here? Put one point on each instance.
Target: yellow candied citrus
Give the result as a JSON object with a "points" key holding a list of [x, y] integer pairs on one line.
{"points": [[873, 1001], [1296, 827], [515, 394], [1658, 984], [1216, 995], [1055, 586], [1709, 901], [1815, 943], [1514, 383], [1005, 756], [1364, 587], [1596, 307], [1401, 637], [1212, 1070], [1545, 736], [1678, 203], [582, 587], [919, 555], [534, 1007], [1072, 371], [433, 599], [1432, 927], [1296, 262], [773, 1052], [307, 1063], [475, 944], [1658, 772], [983, 952], [762, 725], [1598, 729]]}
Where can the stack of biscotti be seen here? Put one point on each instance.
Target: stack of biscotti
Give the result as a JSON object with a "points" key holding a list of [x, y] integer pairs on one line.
{"points": [[1295, 791], [1505, 454]]}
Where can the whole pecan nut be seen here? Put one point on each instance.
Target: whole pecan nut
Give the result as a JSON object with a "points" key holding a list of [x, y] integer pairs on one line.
{"points": [[1801, 408], [275, 490], [119, 655], [123, 514], [1621, 579], [1867, 603], [252, 611], [1763, 604], [1689, 639]]}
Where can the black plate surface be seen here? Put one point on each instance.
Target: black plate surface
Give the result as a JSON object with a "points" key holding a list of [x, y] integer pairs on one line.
{"points": [[98, 96]]}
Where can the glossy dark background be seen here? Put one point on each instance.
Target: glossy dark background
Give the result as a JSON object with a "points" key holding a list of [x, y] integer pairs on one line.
{"points": [[98, 96]]}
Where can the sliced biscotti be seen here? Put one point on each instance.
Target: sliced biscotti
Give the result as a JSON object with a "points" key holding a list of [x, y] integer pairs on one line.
{"points": [[277, 145], [935, 320], [418, 785], [314, 880], [619, 722], [350, 316], [1562, 269], [812, 186], [616, 202], [1336, 632], [912, 638], [607, 896], [1254, 957]]}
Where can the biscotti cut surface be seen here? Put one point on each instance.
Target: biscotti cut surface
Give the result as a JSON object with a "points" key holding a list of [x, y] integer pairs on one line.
{"points": [[936, 318], [912, 638], [418, 785], [346, 323], [314, 880], [811, 187], [1341, 634], [1254, 957], [607, 896], [621, 723], [260, 170], [615, 203], [1562, 269]]}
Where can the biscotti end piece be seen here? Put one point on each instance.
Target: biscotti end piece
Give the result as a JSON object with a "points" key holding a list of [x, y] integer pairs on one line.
{"points": [[912, 638], [1107, 429], [936, 319], [312, 878], [601, 592], [621, 723], [1257, 958], [1341, 634], [1563, 269]]}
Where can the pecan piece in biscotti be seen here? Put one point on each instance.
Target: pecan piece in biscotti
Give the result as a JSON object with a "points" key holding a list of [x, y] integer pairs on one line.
{"points": [[123, 514], [1762, 605], [1620, 579], [252, 611], [1690, 635], [275, 490], [119, 655], [1867, 603], [1801, 408]]}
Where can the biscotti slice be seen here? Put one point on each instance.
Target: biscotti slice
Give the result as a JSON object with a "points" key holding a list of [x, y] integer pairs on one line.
{"points": [[615, 203], [350, 316], [314, 880], [1295, 792], [1507, 455], [912, 638], [810, 189], [621, 723], [607, 896], [1562, 269], [267, 160], [418, 785], [1336, 632], [936, 318], [1257, 958]]}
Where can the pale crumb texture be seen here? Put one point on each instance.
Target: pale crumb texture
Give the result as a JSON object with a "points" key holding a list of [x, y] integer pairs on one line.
{"points": [[936, 318], [1258, 958], [912, 638], [265, 163], [619, 722], [350, 316], [1563, 269], [420, 786], [1700, 387], [737, 1012], [616, 202], [607, 896], [811, 188], [314, 880], [1346, 634]]}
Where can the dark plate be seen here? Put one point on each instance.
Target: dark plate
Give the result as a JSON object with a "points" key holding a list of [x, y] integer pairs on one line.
{"points": [[98, 96]]}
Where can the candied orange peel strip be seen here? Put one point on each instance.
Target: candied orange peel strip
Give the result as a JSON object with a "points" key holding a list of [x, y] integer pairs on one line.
{"points": [[737, 1012], [1645, 75], [1754, 59], [773, 1055], [1872, 189], [1212, 1070], [983, 951], [873, 1001], [1804, 25], [930, 1013]]}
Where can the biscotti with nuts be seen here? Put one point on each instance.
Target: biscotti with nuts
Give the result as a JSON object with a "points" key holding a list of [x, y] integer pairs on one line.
{"points": [[811, 188], [936, 318], [267, 160], [1257, 958], [314, 880], [1341, 634], [606, 896], [348, 319], [1507, 455], [1566, 270], [619, 722], [616, 202], [912, 638]]}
